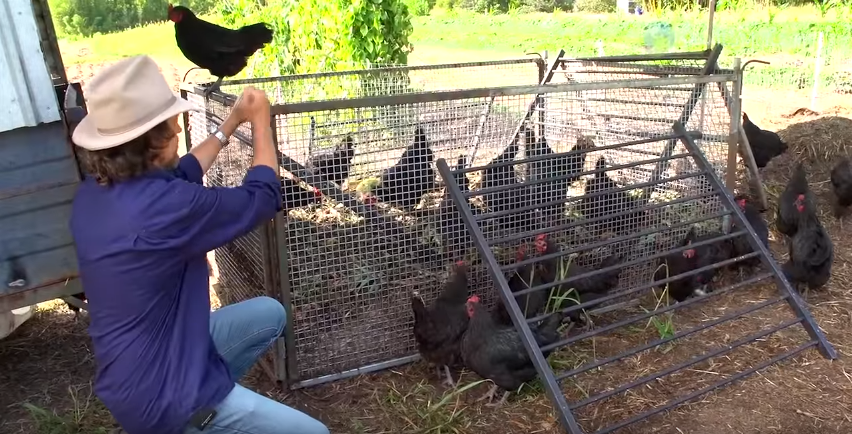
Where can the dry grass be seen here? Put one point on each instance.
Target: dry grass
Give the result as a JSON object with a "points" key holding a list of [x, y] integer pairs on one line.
{"points": [[48, 364]]}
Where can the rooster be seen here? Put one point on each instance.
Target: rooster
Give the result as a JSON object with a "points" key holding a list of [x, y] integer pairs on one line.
{"points": [[841, 183], [797, 198], [335, 165], [221, 51], [404, 184], [765, 145], [438, 329], [495, 351]]}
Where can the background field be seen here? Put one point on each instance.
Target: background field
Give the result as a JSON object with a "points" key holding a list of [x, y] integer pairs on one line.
{"points": [[48, 364]]}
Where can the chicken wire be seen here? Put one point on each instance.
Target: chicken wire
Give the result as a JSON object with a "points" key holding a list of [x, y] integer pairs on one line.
{"points": [[346, 278]]}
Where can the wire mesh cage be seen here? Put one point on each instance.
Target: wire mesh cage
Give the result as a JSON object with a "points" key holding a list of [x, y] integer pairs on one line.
{"points": [[386, 229]]}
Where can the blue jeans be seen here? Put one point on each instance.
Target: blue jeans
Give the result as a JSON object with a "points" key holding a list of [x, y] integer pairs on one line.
{"points": [[242, 332]]}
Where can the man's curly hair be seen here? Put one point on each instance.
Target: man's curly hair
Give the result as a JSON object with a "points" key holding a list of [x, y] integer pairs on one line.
{"points": [[134, 158]]}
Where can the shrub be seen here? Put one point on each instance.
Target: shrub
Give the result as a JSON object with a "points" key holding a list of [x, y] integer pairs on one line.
{"points": [[446, 4], [419, 8], [595, 6], [484, 5], [546, 5]]}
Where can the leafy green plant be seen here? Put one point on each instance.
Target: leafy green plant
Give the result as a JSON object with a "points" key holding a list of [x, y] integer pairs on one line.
{"points": [[419, 8], [88, 17], [825, 6], [595, 6]]}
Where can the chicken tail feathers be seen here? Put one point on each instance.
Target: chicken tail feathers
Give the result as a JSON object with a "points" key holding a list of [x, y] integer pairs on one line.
{"points": [[256, 36]]}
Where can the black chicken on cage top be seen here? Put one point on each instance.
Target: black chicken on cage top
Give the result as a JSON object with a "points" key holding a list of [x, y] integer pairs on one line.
{"points": [[223, 52]]}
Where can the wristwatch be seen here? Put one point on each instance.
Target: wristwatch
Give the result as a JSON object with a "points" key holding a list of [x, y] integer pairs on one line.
{"points": [[219, 135]]}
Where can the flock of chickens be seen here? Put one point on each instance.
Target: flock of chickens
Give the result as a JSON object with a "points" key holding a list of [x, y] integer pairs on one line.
{"points": [[457, 328]]}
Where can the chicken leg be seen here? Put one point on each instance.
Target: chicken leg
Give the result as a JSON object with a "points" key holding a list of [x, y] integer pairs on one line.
{"points": [[214, 87], [489, 395], [449, 382]]}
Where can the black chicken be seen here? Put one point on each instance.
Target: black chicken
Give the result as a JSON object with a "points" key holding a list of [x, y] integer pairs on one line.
{"points": [[765, 145], [438, 330], [452, 229], [335, 165], [706, 255], [495, 351], [404, 184], [797, 198], [676, 263], [516, 197], [294, 196], [526, 277], [740, 245], [568, 166], [841, 183], [221, 51], [811, 254], [610, 203]]}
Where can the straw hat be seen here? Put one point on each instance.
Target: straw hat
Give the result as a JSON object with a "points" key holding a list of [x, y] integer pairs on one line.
{"points": [[124, 101]]}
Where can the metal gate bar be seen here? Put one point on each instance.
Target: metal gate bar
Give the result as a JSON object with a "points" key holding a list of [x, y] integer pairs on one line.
{"points": [[566, 410]]}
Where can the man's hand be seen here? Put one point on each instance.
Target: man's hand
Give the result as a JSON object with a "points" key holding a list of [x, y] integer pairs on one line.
{"points": [[252, 106]]}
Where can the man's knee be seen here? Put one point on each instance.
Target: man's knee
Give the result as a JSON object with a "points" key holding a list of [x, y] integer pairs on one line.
{"points": [[271, 311]]}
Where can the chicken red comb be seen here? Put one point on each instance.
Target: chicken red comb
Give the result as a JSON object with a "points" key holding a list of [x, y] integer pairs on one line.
{"points": [[800, 197], [473, 299], [741, 203], [541, 237], [317, 192], [460, 263]]}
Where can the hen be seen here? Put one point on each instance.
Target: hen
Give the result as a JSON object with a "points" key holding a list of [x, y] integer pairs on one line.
{"points": [[706, 255], [438, 330], [528, 276], [404, 184], [505, 200], [811, 254], [676, 263], [797, 198], [335, 165], [841, 183], [294, 196], [452, 229], [568, 166], [740, 245], [609, 203], [495, 351], [223, 52], [765, 145]]}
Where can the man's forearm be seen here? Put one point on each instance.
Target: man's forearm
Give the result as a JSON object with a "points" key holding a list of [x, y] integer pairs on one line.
{"points": [[264, 149], [207, 151]]}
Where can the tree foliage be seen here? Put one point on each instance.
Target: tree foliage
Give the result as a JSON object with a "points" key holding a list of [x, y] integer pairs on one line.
{"points": [[87, 17], [319, 36]]}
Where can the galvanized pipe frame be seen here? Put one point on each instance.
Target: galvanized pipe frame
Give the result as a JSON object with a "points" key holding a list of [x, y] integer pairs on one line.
{"points": [[551, 380]]}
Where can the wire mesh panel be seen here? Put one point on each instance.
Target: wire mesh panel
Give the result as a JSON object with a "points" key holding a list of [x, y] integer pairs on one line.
{"points": [[347, 278], [702, 320]]}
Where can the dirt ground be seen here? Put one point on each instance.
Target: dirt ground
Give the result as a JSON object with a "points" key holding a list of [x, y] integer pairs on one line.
{"points": [[48, 362]]}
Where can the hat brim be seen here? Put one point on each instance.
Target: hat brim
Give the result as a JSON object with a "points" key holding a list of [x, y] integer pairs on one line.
{"points": [[86, 134]]}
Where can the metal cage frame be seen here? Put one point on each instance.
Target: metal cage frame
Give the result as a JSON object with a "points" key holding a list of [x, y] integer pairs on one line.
{"points": [[272, 236]]}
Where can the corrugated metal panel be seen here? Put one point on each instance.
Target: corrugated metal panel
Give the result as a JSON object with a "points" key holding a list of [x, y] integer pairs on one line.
{"points": [[27, 98]]}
